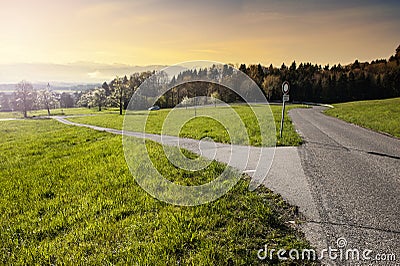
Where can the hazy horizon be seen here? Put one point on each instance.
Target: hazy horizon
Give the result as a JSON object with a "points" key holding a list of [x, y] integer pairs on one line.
{"points": [[79, 72]]}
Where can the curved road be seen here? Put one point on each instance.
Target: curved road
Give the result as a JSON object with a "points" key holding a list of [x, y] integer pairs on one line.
{"points": [[353, 175]]}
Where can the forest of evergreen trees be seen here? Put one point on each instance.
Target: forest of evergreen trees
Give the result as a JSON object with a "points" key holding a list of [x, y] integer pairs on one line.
{"points": [[357, 81], [309, 83]]}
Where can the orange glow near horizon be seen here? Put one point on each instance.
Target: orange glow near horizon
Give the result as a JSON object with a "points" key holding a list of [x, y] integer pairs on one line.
{"points": [[157, 32]]}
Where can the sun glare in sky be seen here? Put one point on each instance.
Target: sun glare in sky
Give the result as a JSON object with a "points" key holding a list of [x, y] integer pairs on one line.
{"points": [[157, 32]]}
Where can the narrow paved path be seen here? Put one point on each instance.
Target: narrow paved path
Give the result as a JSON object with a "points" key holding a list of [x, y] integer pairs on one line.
{"points": [[354, 178], [276, 168]]}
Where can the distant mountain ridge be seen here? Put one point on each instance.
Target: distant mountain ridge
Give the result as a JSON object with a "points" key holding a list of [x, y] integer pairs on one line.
{"points": [[56, 86], [73, 73]]}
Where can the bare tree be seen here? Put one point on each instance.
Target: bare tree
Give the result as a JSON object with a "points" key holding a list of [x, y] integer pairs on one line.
{"points": [[118, 94], [47, 99], [271, 86], [5, 102], [24, 97]]}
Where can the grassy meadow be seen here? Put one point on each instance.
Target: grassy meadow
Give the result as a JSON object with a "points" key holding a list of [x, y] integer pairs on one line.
{"points": [[4, 115], [67, 197], [379, 115], [201, 127]]}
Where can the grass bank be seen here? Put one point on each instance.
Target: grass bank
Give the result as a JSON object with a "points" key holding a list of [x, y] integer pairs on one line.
{"points": [[201, 127], [379, 115]]}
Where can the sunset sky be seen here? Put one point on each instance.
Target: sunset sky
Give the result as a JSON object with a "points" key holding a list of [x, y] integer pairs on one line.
{"points": [[96, 33]]}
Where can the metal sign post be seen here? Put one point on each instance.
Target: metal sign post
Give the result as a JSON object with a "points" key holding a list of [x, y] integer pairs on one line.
{"points": [[285, 98]]}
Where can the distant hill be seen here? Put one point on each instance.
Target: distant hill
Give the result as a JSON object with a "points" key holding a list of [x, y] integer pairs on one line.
{"points": [[73, 73], [57, 86]]}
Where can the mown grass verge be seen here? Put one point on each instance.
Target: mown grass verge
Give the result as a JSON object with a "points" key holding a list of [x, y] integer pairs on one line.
{"points": [[202, 127], [379, 115]]}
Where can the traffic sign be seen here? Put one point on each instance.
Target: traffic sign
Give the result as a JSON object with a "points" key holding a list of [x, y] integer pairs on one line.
{"points": [[285, 90], [286, 97], [285, 87]]}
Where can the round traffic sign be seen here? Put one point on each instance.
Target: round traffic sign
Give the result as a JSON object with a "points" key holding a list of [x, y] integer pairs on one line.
{"points": [[285, 87]]}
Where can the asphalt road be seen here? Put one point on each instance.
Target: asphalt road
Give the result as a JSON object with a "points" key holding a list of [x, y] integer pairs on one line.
{"points": [[353, 175]]}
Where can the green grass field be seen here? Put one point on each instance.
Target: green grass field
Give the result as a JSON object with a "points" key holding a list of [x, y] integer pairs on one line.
{"points": [[74, 111], [10, 115], [201, 127], [67, 197], [379, 115]]}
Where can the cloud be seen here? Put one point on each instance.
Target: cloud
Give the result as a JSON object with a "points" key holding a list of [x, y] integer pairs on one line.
{"points": [[205, 51], [168, 32], [94, 74]]}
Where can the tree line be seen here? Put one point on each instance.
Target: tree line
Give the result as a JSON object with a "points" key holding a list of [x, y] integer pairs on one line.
{"points": [[309, 83], [378, 79], [26, 98]]}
